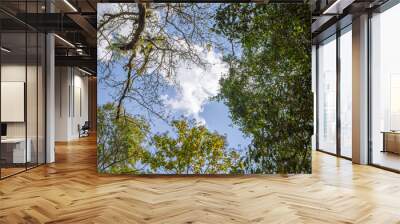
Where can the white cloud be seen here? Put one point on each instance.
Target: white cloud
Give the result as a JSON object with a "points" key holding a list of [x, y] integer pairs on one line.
{"points": [[197, 85]]}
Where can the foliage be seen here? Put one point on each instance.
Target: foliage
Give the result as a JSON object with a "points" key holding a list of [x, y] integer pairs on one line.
{"points": [[194, 150], [120, 142], [123, 147], [268, 88]]}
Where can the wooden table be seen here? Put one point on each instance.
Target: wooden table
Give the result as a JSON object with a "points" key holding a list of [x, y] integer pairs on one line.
{"points": [[391, 141]]}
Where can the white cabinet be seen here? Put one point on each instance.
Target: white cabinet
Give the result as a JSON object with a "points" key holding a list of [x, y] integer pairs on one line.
{"points": [[18, 149]]}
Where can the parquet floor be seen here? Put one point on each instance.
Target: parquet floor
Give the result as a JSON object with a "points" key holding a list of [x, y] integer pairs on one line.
{"points": [[70, 191], [10, 171]]}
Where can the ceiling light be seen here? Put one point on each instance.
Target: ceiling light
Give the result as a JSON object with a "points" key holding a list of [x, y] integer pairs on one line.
{"points": [[70, 5], [5, 50], [338, 6], [64, 40], [79, 51], [86, 72]]}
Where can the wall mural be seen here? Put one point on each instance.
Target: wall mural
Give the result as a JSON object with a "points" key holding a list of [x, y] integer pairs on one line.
{"points": [[195, 88]]}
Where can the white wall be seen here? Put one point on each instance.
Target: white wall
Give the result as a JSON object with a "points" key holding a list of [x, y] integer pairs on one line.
{"points": [[12, 73], [17, 73], [80, 115], [62, 81], [33, 126], [71, 94]]}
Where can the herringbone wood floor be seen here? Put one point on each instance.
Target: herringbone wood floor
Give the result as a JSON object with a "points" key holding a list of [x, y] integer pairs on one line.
{"points": [[70, 191]]}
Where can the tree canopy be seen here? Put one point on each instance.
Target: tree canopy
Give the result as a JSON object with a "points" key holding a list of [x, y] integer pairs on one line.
{"points": [[121, 142], [124, 147], [195, 150], [268, 88]]}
